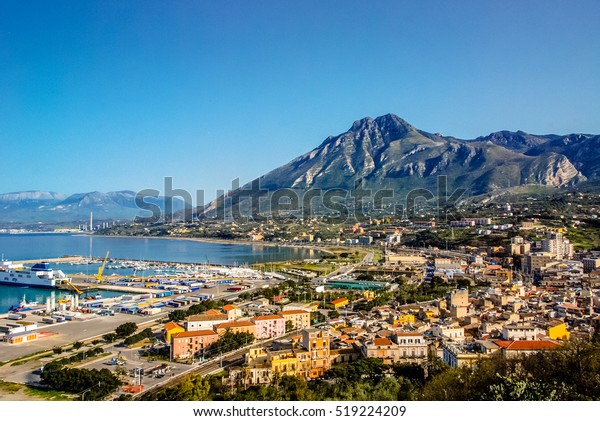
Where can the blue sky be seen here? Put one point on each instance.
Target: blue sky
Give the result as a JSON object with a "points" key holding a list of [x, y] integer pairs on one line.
{"points": [[117, 95]]}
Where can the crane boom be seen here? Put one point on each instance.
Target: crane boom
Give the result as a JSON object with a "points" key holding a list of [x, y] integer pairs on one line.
{"points": [[77, 290], [101, 268]]}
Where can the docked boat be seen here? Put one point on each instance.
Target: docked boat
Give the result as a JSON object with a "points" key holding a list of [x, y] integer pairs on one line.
{"points": [[24, 306], [39, 275]]}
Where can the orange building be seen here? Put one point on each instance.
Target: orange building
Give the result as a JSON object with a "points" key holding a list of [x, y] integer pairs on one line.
{"points": [[317, 343], [188, 344]]}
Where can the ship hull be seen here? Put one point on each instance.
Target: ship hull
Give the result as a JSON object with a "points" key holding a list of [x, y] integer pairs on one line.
{"points": [[49, 285]]}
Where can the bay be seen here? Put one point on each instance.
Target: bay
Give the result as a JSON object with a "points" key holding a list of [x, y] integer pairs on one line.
{"points": [[43, 246], [16, 247]]}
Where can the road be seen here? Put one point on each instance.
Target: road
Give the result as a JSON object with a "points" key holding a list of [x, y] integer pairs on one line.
{"points": [[211, 366]]}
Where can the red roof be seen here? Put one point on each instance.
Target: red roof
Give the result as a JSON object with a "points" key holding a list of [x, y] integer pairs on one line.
{"points": [[242, 323], [194, 333], [409, 334], [527, 345], [229, 307], [171, 326], [381, 342], [213, 312], [207, 317], [269, 317], [339, 301]]}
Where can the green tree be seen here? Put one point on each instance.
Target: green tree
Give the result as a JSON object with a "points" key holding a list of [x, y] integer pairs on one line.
{"points": [[333, 314], [289, 326], [125, 329]]}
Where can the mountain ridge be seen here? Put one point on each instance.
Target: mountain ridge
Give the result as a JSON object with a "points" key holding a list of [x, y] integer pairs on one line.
{"points": [[388, 152]]}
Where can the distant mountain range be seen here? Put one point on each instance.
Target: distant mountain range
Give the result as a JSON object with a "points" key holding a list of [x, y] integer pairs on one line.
{"points": [[40, 207], [381, 153], [387, 152]]}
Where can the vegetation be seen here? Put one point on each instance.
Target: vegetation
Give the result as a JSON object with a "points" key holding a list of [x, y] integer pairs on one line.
{"points": [[80, 356], [126, 329], [21, 391], [91, 384], [539, 376], [144, 334], [230, 342]]}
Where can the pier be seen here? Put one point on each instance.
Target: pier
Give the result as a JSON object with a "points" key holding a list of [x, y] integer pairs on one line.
{"points": [[77, 259]]}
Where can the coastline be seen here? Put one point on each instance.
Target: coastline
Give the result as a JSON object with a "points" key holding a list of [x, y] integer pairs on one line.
{"points": [[222, 241]]}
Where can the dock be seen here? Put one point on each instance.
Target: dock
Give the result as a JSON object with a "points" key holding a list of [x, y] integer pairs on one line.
{"points": [[63, 259]]}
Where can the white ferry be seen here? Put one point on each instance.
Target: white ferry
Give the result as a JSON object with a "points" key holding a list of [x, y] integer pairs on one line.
{"points": [[39, 275]]}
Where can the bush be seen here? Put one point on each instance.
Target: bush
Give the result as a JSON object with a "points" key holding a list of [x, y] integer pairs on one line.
{"points": [[125, 329]]}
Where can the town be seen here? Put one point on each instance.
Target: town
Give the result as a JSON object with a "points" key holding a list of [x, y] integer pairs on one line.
{"points": [[370, 295]]}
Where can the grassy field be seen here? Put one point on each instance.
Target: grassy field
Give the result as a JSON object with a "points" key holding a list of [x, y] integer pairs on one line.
{"points": [[21, 392], [584, 238]]}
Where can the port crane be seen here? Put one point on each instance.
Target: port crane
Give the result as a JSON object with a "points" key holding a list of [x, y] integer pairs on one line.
{"points": [[77, 290], [101, 268]]}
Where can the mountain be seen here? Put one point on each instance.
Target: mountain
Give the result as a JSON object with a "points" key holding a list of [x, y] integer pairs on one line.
{"points": [[389, 153], [54, 208]]}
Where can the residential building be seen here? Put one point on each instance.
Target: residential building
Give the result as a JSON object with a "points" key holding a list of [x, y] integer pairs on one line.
{"points": [[457, 356], [536, 261], [240, 326], [317, 343], [412, 346], [270, 326], [590, 265], [204, 321], [169, 329], [300, 319], [381, 348], [233, 312], [516, 348], [557, 245], [558, 330], [185, 345], [445, 331], [521, 332]]}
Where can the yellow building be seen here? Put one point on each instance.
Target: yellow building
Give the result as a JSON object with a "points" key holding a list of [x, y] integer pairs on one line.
{"points": [[369, 295], [339, 303], [170, 329], [404, 319], [300, 319], [558, 330], [284, 362]]}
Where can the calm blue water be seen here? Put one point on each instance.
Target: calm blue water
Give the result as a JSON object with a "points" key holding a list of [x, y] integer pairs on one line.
{"points": [[43, 246], [40, 246]]}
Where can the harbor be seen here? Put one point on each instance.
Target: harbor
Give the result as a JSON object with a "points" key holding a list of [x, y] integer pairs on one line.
{"points": [[109, 300]]}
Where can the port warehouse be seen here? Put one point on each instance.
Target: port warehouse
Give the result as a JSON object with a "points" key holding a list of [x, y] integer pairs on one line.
{"points": [[164, 293], [163, 296]]}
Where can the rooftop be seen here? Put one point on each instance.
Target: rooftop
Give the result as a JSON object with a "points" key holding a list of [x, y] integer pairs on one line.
{"points": [[193, 334], [527, 345]]}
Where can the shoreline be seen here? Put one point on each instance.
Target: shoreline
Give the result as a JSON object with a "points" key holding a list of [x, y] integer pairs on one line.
{"points": [[320, 249]]}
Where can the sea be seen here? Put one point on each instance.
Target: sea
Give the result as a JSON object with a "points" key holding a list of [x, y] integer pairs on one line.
{"points": [[15, 247]]}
